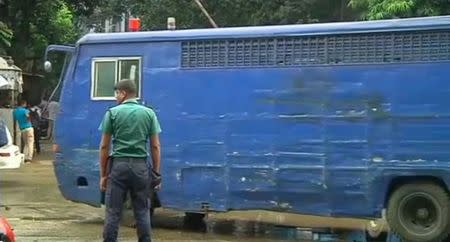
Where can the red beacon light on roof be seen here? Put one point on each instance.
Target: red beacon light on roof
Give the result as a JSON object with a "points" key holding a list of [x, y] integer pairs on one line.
{"points": [[134, 24]]}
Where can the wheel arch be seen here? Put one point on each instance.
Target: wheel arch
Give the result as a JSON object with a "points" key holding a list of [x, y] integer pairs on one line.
{"points": [[399, 181]]}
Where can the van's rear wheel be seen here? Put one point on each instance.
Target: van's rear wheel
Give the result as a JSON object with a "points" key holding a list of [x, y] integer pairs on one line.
{"points": [[194, 221], [420, 212], [128, 216], [127, 213]]}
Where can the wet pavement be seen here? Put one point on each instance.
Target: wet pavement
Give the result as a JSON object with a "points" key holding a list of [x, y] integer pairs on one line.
{"points": [[33, 205]]}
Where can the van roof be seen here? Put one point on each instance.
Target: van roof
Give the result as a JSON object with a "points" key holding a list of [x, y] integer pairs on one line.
{"points": [[424, 23]]}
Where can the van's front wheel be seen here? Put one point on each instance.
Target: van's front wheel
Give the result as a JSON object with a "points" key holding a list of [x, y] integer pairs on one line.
{"points": [[420, 212]]}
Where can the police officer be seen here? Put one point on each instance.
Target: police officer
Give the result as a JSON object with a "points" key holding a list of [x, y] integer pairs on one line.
{"points": [[130, 125]]}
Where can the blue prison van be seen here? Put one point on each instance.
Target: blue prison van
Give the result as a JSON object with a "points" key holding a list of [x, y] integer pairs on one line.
{"points": [[334, 119]]}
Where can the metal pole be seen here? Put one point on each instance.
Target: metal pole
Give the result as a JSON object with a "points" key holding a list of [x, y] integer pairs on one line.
{"points": [[342, 9], [211, 20]]}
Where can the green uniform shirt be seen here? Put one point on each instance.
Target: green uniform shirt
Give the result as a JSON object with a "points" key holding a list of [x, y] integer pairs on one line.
{"points": [[130, 125]]}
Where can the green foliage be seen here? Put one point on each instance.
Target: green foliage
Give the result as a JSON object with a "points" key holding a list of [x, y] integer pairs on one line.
{"points": [[6, 35], [35, 24], [53, 24], [226, 13], [384, 9]]}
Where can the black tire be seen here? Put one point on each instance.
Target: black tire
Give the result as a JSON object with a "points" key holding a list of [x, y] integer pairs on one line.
{"points": [[419, 212], [194, 221], [4, 238], [128, 215], [193, 217]]}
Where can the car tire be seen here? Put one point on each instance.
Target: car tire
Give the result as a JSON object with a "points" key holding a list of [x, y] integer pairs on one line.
{"points": [[419, 212], [128, 214], [194, 221]]}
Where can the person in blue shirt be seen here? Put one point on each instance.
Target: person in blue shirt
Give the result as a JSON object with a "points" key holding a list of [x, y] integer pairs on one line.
{"points": [[22, 116]]}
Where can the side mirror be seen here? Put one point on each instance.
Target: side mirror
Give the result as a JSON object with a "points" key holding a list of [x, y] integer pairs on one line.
{"points": [[48, 66]]}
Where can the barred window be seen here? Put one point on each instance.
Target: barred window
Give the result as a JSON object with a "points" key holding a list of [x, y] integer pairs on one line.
{"points": [[344, 49]]}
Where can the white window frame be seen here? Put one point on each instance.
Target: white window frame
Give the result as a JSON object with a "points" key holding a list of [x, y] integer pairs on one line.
{"points": [[117, 72]]}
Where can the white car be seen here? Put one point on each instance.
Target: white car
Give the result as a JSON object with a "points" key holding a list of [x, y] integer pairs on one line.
{"points": [[10, 156]]}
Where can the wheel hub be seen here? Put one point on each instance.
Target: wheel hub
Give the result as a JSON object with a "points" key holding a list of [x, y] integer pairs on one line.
{"points": [[423, 213], [419, 213]]}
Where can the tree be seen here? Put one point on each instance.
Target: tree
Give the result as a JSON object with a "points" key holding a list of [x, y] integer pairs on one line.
{"points": [[250, 12], [5, 37], [83, 7], [154, 13], [384, 9], [35, 24]]}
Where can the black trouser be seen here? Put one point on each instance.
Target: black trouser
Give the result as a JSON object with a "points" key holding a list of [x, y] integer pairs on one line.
{"points": [[127, 175], [37, 138]]}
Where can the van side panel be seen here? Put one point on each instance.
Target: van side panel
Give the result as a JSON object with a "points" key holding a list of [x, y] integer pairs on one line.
{"points": [[323, 140]]}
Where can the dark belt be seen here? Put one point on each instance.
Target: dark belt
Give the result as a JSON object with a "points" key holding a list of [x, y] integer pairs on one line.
{"points": [[129, 159]]}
